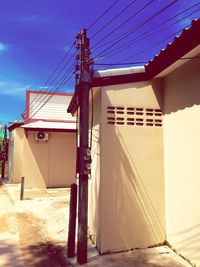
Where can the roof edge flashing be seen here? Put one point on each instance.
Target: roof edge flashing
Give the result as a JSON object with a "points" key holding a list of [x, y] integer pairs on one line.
{"points": [[119, 71]]}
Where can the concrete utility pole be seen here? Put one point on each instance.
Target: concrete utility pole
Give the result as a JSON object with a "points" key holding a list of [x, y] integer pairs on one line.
{"points": [[84, 155]]}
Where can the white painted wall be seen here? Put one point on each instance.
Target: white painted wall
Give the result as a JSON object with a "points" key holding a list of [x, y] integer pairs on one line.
{"points": [[54, 109]]}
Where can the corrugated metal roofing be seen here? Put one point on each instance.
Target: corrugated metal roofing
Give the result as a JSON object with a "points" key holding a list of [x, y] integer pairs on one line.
{"points": [[181, 45], [53, 109], [164, 50]]}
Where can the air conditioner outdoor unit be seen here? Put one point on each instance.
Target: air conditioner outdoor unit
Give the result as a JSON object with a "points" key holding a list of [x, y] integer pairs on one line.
{"points": [[41, 136]]}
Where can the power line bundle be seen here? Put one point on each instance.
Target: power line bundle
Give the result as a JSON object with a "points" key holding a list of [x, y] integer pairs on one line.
{"points": [[105, 47]]}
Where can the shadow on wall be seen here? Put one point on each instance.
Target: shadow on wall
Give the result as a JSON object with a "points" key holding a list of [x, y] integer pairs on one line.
{"points": [[133, 207], [182, 87], [132, 212], [94, 192], [188, 241], [181, 146]]}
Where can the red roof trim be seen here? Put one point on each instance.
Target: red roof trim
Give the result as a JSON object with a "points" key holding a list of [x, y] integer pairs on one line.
{"points": [[15, 125], [182, 44], [119, 79], [48, 93]]}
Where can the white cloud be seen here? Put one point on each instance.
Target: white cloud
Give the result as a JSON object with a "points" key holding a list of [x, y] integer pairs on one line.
{"points": [[13, 88], [45, 87], [3, 47]]}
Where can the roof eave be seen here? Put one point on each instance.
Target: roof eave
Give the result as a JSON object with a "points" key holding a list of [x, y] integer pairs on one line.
{"points": [[49, 129], [15, 125], [106, 81], [181, 45]]}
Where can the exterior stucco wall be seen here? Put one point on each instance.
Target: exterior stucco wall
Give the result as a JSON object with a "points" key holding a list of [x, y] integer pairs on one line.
{"points": [[182, 160], [50, 163], [94, 182], [132, 178], [16, 137], [44, 164], [35, 159], [62, 159]]}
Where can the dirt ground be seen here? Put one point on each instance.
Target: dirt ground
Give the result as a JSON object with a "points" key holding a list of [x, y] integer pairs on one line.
{"points": [[36, 226], [33, 233]]}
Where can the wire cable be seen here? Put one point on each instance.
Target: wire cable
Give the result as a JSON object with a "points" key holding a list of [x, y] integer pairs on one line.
{"points": [[102, 15], [59, 84], [154, 45], [54, 72], [136, 28], [52, 90], [115, 39], [123, 23], [149, 32], [112, 19], [51, 84]]}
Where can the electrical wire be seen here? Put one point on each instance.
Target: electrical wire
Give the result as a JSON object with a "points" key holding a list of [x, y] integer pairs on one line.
{"points": [[54, 80], [124, 22], [112, 19], [149, 32], [54, 89], [54, 93], [65, 78], [51, 84], [53, 73], [136, 28], [117, 38], [161, 41], [102, 15]]}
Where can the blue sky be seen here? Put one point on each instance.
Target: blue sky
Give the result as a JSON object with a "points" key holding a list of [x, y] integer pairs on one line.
{"points": [[35, 36]]}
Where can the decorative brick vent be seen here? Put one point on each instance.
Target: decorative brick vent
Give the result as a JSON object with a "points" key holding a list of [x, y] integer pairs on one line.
{"points": [[132, 116]]}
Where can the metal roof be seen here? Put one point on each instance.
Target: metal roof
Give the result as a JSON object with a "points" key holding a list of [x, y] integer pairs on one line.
{"points": [[188, 40], [47, 125], [182, 44], [118, 71]]}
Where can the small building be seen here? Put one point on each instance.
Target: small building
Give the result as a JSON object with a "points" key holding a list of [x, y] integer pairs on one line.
{"points": [[144, 188], [42, 148]]}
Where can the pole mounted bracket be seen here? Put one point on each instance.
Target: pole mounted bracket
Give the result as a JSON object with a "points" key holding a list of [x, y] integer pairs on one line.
{"points": [[86, 76], [83, 161]]}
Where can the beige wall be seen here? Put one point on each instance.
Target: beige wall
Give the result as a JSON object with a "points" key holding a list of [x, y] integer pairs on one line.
{"points": [[131, 198], [182, 159], [94, 182], [44, 163], [15, 155], [62, 159]]}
